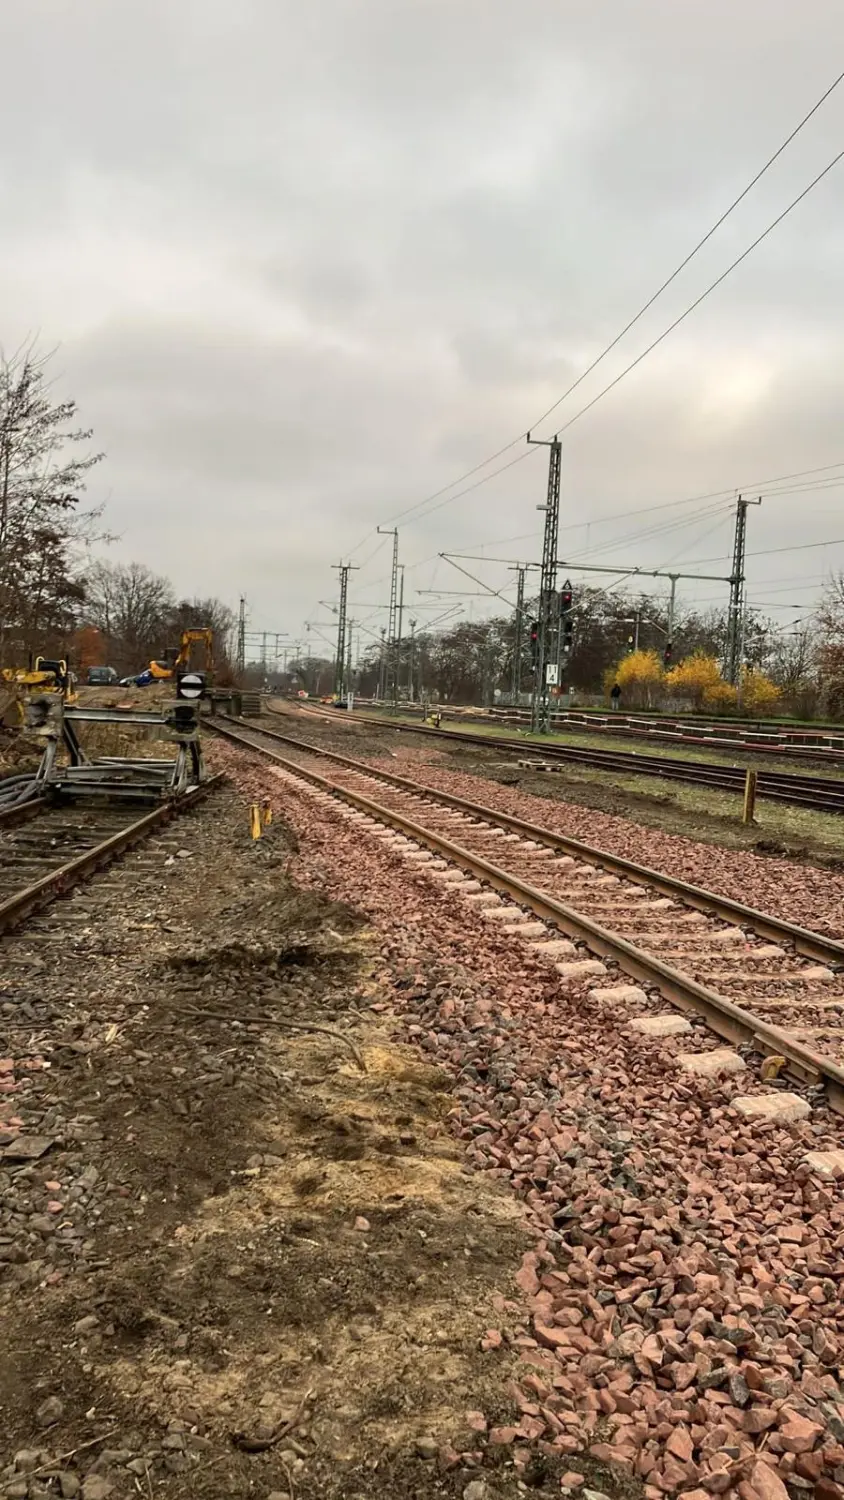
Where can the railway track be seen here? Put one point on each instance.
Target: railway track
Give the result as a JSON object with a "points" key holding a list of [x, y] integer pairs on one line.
{"points": [[46, 851], [21, 812], [759, 982], [821, 744], [818, 793]]}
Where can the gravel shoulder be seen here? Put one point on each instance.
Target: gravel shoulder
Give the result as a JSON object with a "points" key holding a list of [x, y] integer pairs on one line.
{"points": [[681, 1325]]}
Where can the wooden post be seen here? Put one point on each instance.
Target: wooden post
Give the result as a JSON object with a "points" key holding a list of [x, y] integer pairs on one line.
{"points": [[749, 797], [255, 825]]}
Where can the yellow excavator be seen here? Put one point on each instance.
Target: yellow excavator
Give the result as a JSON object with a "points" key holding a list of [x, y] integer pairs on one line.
{"points": [[46, 675], [163, 671]]}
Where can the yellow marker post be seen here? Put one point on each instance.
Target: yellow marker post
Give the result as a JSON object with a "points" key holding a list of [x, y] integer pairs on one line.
{"points": [[255, 821], [771, 1068]]}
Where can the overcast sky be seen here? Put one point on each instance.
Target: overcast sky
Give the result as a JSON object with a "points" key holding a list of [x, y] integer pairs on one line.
{"points": [[306, 263]]}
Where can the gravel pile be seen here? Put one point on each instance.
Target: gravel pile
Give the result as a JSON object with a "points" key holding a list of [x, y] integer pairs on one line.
{"points": [[680, 1318]]}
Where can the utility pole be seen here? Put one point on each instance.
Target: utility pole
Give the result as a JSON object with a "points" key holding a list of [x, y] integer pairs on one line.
{"points": [[735, 616], [399, 626], [344, 570], [410, 662], [668, 649], [382, 667], [391, 666], [545, 656], [264, 652], [672, 600], [516, 679], [241, 637]]}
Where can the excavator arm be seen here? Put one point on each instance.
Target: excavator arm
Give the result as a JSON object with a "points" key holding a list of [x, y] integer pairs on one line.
{"points": [[188, 638]]}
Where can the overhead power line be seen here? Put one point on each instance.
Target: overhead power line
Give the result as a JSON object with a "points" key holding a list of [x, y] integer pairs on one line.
{"points": [[699, 246], [711, 288], [469, 473], [729, 493], [832, 541]]}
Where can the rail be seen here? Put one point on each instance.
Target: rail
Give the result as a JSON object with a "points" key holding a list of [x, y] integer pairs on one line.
{"points": [[15, 908], [820, 794], [810, 944], [727, 1019]]}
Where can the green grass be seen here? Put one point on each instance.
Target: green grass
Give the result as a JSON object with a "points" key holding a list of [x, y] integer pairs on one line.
{"points": [[701, 813], [608, 741]]}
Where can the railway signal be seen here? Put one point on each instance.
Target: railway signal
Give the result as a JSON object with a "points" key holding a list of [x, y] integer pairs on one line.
{"points": [[190, 684], [667, 654], [567, 640], [534, 637]]}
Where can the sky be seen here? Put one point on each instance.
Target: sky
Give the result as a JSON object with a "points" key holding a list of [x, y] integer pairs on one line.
{"points": [[303, 266]]}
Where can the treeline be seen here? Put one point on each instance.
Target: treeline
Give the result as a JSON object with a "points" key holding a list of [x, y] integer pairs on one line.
{"points": [[54, 600], [472, 662], [130, 616]]}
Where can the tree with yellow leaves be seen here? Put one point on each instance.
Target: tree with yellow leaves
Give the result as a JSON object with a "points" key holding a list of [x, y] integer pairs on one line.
{"points": [[640, 677], [759, 695], [721, 697], [696, 678], [699, 679]]}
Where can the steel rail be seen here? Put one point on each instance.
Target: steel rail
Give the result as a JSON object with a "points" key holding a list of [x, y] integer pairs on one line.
{"points": [[728, 1020], [818, 728], [821, 794], [810, 944], [22, 812], [21, 905]]}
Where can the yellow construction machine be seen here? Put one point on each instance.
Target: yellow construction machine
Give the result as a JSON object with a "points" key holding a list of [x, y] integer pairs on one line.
{"points": [[52, 676], [46, 676], [163, 671]]}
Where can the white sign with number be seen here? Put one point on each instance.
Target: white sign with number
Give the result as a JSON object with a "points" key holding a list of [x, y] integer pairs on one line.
{"points": [[552, 675]]}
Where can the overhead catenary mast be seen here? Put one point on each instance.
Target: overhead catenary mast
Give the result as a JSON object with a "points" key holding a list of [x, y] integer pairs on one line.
{"points": [[735, 615], [545, 647], [340, 665], [390, 681]]}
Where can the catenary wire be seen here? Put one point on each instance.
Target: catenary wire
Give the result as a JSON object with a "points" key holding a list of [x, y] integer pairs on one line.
{"points": [[420, 504]]}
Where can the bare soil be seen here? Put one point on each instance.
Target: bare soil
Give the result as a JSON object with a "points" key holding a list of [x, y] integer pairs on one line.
{"points": [[244, 1266]]}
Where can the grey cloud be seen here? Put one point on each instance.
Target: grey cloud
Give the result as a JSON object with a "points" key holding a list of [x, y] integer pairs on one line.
{"points": [[307, 263]]}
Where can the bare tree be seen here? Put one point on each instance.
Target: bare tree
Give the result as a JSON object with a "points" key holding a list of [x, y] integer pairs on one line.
{"points": [[791, 657], [133, 608], [830, 645], [206, 614], [40, 492]]}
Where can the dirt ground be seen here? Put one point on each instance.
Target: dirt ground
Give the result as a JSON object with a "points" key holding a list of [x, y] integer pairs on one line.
{"points": [[236, 1262]]}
